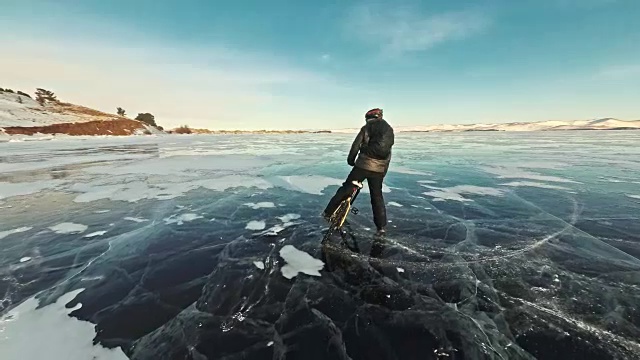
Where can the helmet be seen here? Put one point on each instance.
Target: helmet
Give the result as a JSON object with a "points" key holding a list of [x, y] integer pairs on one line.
{"points": [[373, 114]]}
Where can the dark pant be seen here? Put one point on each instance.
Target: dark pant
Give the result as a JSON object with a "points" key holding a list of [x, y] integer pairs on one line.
{"points": [[374, 180]]}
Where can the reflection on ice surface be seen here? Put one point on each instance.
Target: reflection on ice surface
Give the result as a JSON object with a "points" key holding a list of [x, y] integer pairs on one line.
{"points": [[500, 246]]}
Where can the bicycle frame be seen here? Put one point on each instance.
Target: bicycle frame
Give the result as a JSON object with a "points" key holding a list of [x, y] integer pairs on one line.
{"points": [[339, 216], [354, 194]]}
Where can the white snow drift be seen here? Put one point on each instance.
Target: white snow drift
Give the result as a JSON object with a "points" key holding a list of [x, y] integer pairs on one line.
{"points": [[299, 262]]}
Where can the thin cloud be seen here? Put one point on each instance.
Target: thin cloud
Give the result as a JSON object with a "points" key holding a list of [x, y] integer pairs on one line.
{"points": [[202, 87], [399, 30], [585, 3], [620, 72], [325, 57]]}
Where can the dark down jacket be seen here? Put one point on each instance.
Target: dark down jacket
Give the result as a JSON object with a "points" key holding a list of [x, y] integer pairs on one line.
{"points": [[373, 143]]}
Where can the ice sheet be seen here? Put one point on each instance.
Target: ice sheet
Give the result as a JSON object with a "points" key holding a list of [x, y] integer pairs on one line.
{"points": [[503, 264]]}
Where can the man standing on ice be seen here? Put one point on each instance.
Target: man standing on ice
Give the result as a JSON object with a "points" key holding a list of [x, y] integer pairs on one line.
{"points": [[372, 147]]}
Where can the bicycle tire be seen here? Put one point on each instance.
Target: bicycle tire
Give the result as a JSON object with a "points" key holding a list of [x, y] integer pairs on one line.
{"points": [[330, 231], [338, 218]]}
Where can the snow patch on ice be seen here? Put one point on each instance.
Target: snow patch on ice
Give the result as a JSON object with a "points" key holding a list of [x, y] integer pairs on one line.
{"points": [[275, 230], [25, 259], [4, 234], [181, 219], [400, 270], [8, 190], [455, 193], [516, 173], [94, 234], [421, 207], [140, 190], [287, 221], [299, 262], [68, 228], [256, 225], [289, 217], [135, 219], [385, 189], [393, 203], [534, 184], [49, 161], [408, 171], [260, 205], [56, 335], [310, 184], [634, 196], [259, 264], [101, 211], [189, 166]]}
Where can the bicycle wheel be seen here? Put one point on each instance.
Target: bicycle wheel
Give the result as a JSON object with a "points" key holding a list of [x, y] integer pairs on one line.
{"points": [[337, 218], [330, 231]]}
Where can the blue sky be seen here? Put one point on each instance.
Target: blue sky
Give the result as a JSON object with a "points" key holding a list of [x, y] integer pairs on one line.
{"points": [[322, 64]]}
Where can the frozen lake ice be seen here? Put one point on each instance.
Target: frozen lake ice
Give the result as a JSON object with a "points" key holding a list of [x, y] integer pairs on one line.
{"points": [[500, 246]]}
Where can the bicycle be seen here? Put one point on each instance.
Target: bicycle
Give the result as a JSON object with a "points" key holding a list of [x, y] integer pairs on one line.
{"points": [[339, 216]]}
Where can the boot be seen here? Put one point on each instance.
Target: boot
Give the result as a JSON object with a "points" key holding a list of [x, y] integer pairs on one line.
{"points": [[381, 232]]}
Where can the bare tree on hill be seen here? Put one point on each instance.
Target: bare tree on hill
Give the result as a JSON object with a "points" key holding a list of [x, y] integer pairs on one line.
{"points": [[43, 96], [147, 118]]}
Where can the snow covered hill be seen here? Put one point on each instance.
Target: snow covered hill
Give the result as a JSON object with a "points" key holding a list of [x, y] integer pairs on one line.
{"points": [[595, 124], [29, 113], [20, 114]]}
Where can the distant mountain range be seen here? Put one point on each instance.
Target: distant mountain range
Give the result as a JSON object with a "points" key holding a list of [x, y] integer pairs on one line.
{"points": [[20, 114], [595, 124]]}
